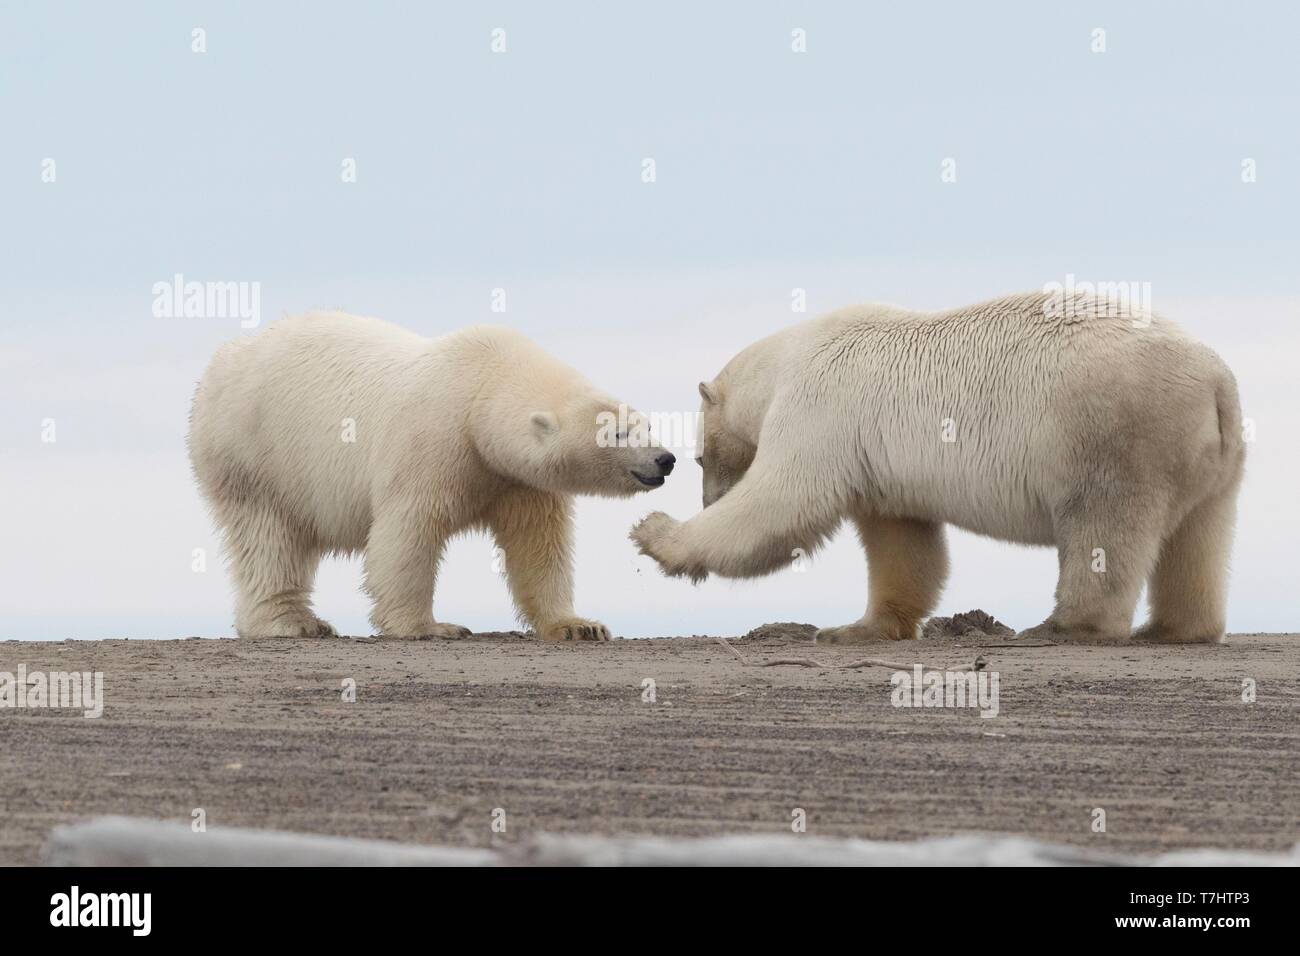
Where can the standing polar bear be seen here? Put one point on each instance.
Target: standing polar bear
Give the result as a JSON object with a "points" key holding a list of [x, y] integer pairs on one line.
{"points": [[331, 433], [1037, 419]]}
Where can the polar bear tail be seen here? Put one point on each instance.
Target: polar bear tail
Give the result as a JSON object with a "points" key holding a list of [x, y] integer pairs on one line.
{"points": [[1231, 441]]}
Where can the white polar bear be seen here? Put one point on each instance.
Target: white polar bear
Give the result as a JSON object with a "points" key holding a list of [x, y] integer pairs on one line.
{"points": [[332, 433], [1073, 422]]}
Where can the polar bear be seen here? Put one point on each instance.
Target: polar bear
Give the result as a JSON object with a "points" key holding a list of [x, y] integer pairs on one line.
{"points": [[332, 433], [1042, 419]]}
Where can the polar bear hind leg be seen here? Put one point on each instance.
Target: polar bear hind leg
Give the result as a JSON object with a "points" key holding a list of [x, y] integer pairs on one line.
{"points": [[273, 565], [907, 564], [1108, 538], [1189, 587]]}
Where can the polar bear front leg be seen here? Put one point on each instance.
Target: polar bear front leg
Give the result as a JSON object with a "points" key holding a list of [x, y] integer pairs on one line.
{"points": [[534, 529], [772, 517], [778, 512], [402, 555], [907, 565]]}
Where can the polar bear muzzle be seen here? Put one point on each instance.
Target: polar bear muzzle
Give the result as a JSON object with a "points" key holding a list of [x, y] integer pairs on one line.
{"points": [[664, 463]]}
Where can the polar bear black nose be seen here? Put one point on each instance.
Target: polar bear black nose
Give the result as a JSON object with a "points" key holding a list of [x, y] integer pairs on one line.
{"points": [[666, 462]]}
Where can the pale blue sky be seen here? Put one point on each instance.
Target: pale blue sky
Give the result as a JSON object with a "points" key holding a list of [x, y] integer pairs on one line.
{"points": [[522, 170]]}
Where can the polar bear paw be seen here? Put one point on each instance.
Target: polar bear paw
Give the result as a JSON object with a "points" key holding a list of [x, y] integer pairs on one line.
{"points": [[1056, 633], [864, 632], [652, 536], [1156, 633], [655, 536], [304, 625], [318, 627], [574, 629], [430, 631]]}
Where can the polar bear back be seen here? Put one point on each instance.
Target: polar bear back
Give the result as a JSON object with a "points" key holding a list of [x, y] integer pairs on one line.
{"points": [[319, 411], [988, 415]]}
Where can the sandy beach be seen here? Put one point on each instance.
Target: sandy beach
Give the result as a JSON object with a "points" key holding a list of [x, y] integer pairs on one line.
{"points": [[563, 738]]}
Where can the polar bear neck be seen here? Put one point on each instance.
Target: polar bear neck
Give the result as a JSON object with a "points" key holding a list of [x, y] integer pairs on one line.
{"points": [[749, 382]]}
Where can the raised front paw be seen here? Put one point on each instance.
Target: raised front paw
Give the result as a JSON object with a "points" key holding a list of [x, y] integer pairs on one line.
{"points": [[656, 536], [574, 629], [651, 534]]}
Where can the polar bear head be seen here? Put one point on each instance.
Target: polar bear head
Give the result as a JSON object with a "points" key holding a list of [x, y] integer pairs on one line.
{"points": [[592, 444], [723, 453]]}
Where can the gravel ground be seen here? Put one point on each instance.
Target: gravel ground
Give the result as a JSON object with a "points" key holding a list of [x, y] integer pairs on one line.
{"points": [[560, 738]]}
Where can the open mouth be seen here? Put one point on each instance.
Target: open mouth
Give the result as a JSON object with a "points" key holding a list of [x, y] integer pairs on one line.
{"points": [[654, 482]]}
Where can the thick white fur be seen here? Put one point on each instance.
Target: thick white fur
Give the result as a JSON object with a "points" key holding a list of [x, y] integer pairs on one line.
{"points": [[478, 429], [1088, 428]]}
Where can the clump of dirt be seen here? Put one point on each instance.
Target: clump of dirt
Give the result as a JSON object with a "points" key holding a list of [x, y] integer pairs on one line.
{"points": [[785, 631], [976, 623]]}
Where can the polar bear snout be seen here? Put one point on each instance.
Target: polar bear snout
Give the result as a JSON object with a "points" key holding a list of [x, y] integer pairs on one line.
{"points": [[664, 463]]}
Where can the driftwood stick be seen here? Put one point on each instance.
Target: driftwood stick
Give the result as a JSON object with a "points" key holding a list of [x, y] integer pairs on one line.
{"points": [[978, 665], [1043, 644], [876, 662], [740, 656], [792, 661]]}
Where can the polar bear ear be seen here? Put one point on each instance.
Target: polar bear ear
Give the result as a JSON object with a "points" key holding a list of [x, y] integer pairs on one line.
{"points": [[709, 393], [544, 423]]}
